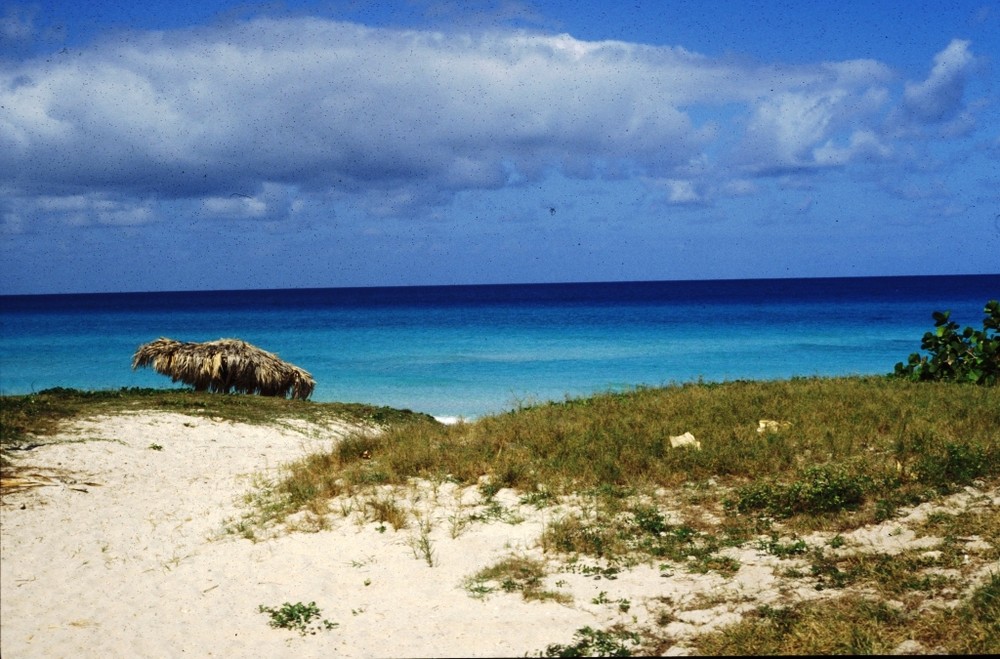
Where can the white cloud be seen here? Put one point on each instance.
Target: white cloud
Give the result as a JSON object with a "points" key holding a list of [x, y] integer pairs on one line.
{"points": [[328, 104], [234, 207], [681, 192], [863, 145], [939, 97], [791, 123], [797, 130], [24, 213]]}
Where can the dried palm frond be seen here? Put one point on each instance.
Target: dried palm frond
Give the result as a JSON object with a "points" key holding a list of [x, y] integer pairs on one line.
{"points": [[225, 365]]}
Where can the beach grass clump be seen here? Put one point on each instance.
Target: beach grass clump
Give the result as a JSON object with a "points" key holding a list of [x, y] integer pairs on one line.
{"points": [[818, 489], [839, 451], [512, 574]]}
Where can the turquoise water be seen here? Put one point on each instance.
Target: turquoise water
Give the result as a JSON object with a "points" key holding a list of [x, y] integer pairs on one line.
{"points": [[470, 351]]}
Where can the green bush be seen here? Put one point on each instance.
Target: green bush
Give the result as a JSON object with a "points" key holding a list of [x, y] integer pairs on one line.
{"points": [[820, 489], [955, 464], [967, 356]]}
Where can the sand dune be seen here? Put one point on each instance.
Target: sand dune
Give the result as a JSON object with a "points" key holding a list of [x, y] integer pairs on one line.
{"points": [[119, 550]]}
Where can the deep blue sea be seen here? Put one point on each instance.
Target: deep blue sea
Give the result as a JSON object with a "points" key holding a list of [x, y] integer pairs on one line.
{"points": [[473, 350]]}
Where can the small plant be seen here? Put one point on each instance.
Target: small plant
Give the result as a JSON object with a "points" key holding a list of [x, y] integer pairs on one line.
{"points": [[724, 565], [597, 572], [155, 447], [422, 545], [303, 618], [967, 356], [595, 643], [602, 598], [780, 549], [496, 511], [828, 573], [457, 523], [539, 499]]}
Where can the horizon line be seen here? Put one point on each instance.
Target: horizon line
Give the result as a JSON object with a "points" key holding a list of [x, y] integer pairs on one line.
{"points": [[501, 284]]}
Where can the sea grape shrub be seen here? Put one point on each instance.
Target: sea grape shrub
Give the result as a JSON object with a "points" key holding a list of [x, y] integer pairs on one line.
{"points": [[968, 356]]}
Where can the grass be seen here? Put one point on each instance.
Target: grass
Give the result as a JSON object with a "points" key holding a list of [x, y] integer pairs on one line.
{"points": [[848, 452], [852, 451], [638, 531], [858, 625], [515, 574]]}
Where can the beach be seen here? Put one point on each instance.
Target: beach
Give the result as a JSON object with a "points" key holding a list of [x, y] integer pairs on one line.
{"points": [[120, 549]]}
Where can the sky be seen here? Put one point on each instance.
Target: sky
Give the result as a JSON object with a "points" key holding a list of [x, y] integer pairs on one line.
{"points": [[174, 145]]}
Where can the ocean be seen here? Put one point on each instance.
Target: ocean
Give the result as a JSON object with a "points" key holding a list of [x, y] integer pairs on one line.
{"points": [[469, 351]]}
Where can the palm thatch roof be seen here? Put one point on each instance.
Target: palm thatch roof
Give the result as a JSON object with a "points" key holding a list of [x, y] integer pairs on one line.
{"points": [[225, 365]]}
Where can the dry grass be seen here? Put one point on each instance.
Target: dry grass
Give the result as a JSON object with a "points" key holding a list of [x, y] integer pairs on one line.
{"points": [[854, 624], [225, 365]]}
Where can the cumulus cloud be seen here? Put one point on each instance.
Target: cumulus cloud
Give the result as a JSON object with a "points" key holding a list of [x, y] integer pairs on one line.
{"points": [[681, 192], [939, 97], [863, 144], [330, 103], [795, 130], [243, 117]]}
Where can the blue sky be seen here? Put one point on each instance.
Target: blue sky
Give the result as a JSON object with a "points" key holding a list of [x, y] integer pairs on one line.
{"points": [[184, 146]]}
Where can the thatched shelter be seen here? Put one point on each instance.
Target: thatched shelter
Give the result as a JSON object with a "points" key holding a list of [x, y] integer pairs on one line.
{"points": [[226, 365]]}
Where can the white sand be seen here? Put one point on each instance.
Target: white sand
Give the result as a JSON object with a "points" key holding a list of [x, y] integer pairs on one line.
{"points": [[123, 554]]}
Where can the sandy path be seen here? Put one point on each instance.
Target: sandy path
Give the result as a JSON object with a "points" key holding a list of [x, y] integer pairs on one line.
{"points": [[136, 566]]}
